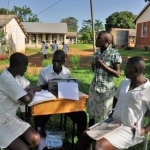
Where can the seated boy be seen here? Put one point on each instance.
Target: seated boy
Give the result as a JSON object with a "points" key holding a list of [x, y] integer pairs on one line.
{"points": [[15, 134], [133, 100], [57, 70]]}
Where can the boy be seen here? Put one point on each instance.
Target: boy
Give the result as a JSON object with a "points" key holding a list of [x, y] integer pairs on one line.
{"points": [[65, 48], [44, 48], [15, 134], [133, 100], [57, 70], [106, 65]]}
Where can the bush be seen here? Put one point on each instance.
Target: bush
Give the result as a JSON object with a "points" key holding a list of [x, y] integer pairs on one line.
{"points": [[46, 63], [75, 59], [146, 48], [128, 48]]}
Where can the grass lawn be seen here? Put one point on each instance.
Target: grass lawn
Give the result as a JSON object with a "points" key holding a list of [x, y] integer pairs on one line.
{"points": [[85, 77]]}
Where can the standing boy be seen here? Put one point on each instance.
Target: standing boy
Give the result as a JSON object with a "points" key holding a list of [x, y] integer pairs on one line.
{"points": [[44, 48], [65, 48], [106, 65]]}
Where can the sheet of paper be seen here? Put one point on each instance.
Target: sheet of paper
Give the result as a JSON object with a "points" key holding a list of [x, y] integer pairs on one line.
{"points": [[68, 90], [42, 96]]}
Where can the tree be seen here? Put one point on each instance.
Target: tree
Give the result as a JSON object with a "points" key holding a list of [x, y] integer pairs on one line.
{"points": [[25, 14], [72, 23], [3, 11], [123, 19]]}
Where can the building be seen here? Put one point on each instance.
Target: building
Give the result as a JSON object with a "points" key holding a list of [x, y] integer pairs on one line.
{"points": [[123, 37], [48, 32], [143, 27], [15, 32], [71, 38]]}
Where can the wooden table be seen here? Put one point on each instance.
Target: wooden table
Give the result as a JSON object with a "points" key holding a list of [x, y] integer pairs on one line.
{"points": [[60, 106]]}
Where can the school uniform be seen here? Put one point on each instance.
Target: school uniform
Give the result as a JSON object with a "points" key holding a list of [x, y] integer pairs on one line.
{"points": [[130, 110], [47, 73], [65, 48], [11, 126]]}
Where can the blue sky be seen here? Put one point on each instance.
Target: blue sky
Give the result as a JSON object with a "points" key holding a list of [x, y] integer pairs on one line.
{"points": [[80, 9]]}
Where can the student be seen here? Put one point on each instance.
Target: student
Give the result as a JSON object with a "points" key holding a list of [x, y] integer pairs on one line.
{"points": [[133, 100], [15, 134], [57, 70], [54, 47], [106, 65], [44, 48], [65, 48]]}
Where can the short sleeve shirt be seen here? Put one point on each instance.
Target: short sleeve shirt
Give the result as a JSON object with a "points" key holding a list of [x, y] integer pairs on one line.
{"points": [[131, 105], [102, 80], [47, 73], [10, 93]]}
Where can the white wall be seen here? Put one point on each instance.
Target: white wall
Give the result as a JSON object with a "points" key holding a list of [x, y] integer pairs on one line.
{"points": [[15, 36], [145, 16]]}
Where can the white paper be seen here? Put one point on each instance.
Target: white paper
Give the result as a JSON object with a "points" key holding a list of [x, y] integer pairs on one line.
{"points": [[42, 96], [68, 90]]}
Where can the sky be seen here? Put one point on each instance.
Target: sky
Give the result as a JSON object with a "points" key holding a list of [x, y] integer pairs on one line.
{"points": [[55, 10]]}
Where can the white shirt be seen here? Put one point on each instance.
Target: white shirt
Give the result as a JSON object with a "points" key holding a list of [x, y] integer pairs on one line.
{"points": [[55, 45], [47, 73], [65, 48], [10, 92], [44, 48], [132, 105], [22, 81]]}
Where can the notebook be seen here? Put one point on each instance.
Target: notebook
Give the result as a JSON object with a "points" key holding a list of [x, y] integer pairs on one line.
{"points": [[42, 96]]}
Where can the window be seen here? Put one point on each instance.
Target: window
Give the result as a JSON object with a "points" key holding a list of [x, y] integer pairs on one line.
{"points": [[33, 38], [27, 40], [54, 37], [39, 38], [47, 38], [144, 30], [61, 37]]}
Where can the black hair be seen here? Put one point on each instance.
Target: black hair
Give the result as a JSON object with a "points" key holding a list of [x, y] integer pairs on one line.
{"points": [[108, 36], [18, 58], [60, 52], [138, 62]]}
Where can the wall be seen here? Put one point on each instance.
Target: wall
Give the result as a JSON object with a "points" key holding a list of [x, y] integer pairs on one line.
{"points": [[15, 36], [145, 19]]}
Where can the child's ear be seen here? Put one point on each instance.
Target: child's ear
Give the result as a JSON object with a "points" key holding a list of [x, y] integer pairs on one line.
{"points": [[64, 61], [136, 70]]}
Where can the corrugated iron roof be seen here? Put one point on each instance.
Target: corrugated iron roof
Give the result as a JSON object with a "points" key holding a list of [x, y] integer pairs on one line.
{"points": [[5, 19], [71, 34], [38, 27]]}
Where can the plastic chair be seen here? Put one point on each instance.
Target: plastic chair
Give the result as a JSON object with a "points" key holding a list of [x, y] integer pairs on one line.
{"points": [[144, 140]]}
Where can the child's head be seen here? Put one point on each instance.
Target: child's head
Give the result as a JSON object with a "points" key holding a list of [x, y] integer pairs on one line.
{"points": [[58, 59], [135, 67], [43, 42], [103, 39], [18, 63]]}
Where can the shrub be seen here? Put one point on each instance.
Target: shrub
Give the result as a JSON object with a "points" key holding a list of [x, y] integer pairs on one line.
{"points": [[128, 48], [46, 63], [146, 48], [75, 59]]}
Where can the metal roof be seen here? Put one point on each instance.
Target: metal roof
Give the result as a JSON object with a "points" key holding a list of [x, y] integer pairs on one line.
{"points": [[38, 27], [5, 19], [71, 34]]}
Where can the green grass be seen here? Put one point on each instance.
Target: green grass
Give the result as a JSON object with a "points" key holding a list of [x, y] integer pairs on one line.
{"points": [[81, 46], [4, 62], [85, 76]]}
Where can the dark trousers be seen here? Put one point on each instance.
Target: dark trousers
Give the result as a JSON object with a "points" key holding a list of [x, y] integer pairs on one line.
{"points": [[80, 118], [45, 56]]}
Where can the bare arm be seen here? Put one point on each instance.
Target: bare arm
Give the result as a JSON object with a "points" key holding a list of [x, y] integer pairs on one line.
{"points": [[29, 96]]}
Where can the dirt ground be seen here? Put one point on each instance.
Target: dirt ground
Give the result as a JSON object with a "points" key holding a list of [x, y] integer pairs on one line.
{"points": [[85, 59]]}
